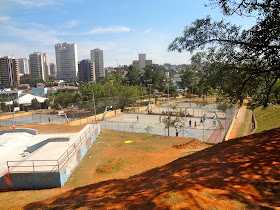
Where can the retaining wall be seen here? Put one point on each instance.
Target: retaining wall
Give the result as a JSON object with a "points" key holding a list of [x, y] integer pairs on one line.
{"points": [[17, 115], [69, 167]]}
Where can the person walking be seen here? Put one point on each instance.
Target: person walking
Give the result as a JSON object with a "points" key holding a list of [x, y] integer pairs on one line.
{"points": [[159, 119], [195, 124], [137, 118], [190, 123]]}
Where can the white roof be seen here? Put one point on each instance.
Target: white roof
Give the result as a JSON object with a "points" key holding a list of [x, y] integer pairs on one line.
{"points": [[26, 99]]}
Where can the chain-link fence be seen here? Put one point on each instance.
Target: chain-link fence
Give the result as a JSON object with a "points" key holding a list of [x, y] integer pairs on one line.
{"points": [[35, 118]]}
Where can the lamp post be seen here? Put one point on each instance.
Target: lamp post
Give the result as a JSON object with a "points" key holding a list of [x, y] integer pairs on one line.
{"points": [[149, 80]]}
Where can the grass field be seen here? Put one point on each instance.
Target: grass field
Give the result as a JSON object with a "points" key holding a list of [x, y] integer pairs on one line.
{"points": [[110, 158], [268, 118]]}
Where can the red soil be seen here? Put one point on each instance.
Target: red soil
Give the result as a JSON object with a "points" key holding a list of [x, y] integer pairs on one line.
{"points": [[193, 144], [237, 174]]}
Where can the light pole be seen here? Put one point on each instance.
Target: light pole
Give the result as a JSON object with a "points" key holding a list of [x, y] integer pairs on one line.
{"points": [[149, 80]]}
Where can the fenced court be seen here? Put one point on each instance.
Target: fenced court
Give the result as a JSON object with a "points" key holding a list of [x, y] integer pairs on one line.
{"points": [[152, 125], [209, 131], [35, 118]]}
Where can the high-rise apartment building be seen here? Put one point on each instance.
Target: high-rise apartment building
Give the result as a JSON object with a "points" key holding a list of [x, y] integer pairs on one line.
{"points": [[39, 65], [23, 64], [97, 56], [142, 62], [53, 69], [66, 61], [9, 72], [86, 70]]}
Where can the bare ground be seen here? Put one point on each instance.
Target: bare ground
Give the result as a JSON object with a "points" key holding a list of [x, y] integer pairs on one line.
{"points": [[241, 173]]}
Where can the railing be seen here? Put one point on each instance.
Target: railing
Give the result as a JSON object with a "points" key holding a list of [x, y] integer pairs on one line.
{"points": [[49, 165]]}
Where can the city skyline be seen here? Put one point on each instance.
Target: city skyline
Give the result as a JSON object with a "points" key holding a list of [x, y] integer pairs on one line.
{"points": [[121, 29]]}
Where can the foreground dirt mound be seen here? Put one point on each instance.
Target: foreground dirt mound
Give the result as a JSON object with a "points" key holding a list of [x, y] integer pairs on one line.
{"points": [[192, 144], [239, 174]]}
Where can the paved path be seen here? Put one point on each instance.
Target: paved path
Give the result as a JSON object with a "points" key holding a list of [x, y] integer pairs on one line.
{"points": [[239, 121]]}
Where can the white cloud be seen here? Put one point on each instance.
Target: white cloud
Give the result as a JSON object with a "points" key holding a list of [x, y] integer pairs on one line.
{"points": [[148, 30], [39, 36], [71, 23], [34, 3], [113, 29], [4, 18]]}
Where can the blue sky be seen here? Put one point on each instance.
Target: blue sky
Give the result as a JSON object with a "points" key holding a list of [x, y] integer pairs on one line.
{"points": [[122, 28]]}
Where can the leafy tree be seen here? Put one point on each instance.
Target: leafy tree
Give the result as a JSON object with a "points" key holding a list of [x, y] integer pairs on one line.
{"points": [[39, 80], [188, 80], [239, 63], [133, 75], [15, 104], [157, 77], [46, 104], [35, 104], [28, 79], [4, 107], [63, 99]]}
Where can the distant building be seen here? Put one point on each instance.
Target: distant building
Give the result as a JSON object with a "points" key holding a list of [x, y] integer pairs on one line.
{"points": [[97, 56], [40, 90], [9, 72], [23, 64], [86, 70], [39, 65], [142, 62], [53, 69], [66, 61]]}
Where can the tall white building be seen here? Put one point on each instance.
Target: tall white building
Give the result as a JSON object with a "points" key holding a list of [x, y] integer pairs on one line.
{"points": [[39, 65], [142, 62], [23, 64], [66, 61], [97, 56]]}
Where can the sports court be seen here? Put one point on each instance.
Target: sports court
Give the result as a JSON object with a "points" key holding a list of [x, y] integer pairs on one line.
{"points": [[35, 118], [151, 124]]}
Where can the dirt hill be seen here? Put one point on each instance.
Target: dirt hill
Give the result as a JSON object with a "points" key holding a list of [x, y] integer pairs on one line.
{"points": [[239, 174]]}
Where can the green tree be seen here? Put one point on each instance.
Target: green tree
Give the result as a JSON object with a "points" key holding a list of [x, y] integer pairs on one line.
{"points": [[4, 107], [239, 63], [35, 104], [28, 79], [188, 80], [133, 75], [63, 99], [46, 104], [157, 77]]}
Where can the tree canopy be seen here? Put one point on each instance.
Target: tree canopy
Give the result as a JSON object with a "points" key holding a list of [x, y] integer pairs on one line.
{"points": [[238, 62]]}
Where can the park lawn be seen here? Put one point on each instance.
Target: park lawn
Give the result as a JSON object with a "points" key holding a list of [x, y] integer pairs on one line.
{"points": [[115, 158], [267, 119]]}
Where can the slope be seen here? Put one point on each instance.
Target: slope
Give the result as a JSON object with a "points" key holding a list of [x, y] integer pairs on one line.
{"points": [[240, 173]]}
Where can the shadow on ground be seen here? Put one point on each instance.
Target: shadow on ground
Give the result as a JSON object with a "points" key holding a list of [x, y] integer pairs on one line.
{"points": [[240, 173]]}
